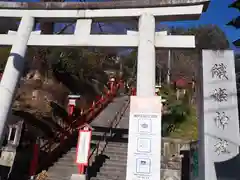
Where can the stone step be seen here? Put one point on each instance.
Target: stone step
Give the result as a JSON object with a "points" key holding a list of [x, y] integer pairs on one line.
{"points": [[118, 149], [67, 160], [62, 175], [109, 175], [64, 164], [117, 144], [95, 133], [70, 154], [115, 153], [63, 170], [112, 169], [117, 157], [104, 178], [74, 149], [58, 178], [116, 163], [68, 166]]}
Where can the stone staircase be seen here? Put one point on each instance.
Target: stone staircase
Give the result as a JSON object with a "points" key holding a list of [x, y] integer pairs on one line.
{"points": [[114, 167], [109, 162], [64, 167], [108, 165], [110, 157]]}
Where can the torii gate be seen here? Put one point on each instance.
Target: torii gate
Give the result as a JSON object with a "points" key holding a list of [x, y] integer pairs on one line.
{"points": [[146, 40]]}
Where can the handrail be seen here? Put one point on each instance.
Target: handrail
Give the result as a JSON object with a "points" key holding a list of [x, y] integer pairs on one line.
{"points": [[87, 112], [103, 137], [70, 130]]}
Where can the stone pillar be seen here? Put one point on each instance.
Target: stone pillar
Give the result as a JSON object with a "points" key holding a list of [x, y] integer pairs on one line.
{"points": [[219, 120], [13, 69], [146, 56]]}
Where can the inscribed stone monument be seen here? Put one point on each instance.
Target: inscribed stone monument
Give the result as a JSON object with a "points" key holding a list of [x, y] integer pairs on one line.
{"points": [[220, 120]]}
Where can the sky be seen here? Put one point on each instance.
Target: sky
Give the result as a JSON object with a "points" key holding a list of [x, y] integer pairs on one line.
{"points": [[218, 13]]}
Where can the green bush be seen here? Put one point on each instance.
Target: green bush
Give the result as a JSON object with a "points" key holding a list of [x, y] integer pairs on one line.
{"points": [[176, 111]]}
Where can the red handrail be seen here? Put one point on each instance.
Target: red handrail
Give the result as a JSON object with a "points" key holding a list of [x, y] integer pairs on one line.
{"points": [[86, 117]]}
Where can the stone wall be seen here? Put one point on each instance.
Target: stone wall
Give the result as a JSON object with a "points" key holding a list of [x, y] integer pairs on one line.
{"points": [[171, 146], [171, 160], [170, 174]]}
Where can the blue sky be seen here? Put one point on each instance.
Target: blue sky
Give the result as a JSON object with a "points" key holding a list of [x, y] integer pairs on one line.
{"points": [[218, 13]]}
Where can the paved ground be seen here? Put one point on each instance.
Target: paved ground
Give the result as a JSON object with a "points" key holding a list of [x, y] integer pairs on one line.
{"points": [[107, 115]]}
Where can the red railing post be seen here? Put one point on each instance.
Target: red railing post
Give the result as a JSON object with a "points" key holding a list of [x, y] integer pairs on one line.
{"points": [[102, 100], [70, 110], [92, 109], [81, 168], [34, 162]]}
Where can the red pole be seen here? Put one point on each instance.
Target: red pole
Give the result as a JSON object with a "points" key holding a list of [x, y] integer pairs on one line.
{"points": [[111, 87], [70, 110], [102, 99], [81, 168], [34, 162]]}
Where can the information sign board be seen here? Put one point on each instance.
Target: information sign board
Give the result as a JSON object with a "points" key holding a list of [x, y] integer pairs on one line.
{"points": [[83, 147], [144, 150]]}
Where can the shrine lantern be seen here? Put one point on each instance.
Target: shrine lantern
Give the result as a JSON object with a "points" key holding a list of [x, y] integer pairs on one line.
{"points": [[72, 103], [112, 79], [111, 83]]}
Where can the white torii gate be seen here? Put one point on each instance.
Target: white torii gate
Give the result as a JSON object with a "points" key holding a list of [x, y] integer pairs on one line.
{"points": [[146, 40]]}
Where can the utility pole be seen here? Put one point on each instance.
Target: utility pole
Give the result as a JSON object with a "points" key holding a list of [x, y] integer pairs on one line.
{"points": [[169, 65]]}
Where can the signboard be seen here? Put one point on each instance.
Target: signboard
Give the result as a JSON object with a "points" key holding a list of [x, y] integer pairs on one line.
{"points": [[7, 158], [144, 148], [83, 147]]}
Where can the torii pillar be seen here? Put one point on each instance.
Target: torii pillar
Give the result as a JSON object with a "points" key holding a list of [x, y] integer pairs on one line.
{"points": [[14, 69], [145, 108], [146, 56]]}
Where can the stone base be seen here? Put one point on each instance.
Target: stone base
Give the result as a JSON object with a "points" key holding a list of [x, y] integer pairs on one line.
{"points": [[78, 177]]}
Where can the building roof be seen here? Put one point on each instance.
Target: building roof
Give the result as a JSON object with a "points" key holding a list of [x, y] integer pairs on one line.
{"points": [[102, 5]]}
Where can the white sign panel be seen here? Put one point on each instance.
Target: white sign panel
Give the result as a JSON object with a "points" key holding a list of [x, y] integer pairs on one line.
{"points": [[7, 158], [220, 123], [83, 147], [144, 139]]}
